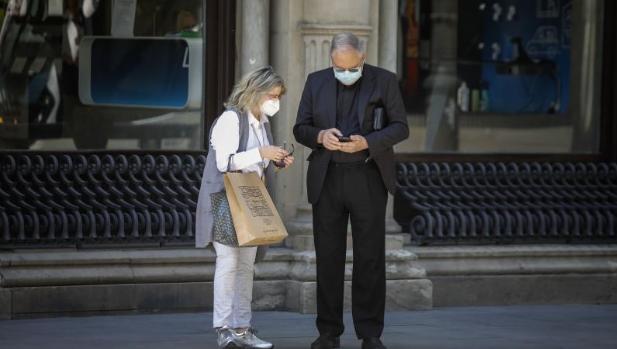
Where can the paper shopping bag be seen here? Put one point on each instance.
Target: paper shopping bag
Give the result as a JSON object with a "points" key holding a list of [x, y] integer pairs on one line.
{"points": [[254, 215]]}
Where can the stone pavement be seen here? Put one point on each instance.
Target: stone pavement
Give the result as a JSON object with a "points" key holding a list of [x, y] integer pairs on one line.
{"points": [[545, 326]]}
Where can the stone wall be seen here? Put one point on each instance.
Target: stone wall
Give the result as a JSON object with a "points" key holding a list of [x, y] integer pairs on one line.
{"points": [[68, 282], [527, 274]]}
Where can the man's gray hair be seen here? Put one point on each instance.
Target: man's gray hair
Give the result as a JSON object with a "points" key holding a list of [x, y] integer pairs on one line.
{"points": [[346, 41]]}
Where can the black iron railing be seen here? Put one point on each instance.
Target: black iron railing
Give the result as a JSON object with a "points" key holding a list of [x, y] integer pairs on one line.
{"points": [[98, 197], [82, 198], [507, 202]]}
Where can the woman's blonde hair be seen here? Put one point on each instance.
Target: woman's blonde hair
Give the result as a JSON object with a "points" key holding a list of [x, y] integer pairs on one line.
{"points": [[252, 87]]}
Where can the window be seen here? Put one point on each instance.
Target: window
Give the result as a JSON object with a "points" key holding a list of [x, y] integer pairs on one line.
{"points": [[121, 74], [501, 77]]}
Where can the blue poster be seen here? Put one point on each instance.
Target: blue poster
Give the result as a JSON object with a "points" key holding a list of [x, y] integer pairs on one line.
{"points": [[133, 72], [534, 37]]}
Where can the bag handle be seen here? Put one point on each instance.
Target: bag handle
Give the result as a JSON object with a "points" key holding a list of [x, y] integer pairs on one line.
{"points": [[229, 163], [239, 116]]}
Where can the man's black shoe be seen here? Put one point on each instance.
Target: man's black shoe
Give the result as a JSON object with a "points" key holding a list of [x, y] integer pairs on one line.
{"points": [[326, 342], [372, 343]]}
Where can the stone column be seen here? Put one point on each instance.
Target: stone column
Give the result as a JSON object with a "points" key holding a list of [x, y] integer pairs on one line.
{"points": [[254, 30], [301, 34], [314, 22], [287, 58], [317, 40], [322, 20], [300, 42], [388, 35], [388, 56], [586, 18], [441, 123]]}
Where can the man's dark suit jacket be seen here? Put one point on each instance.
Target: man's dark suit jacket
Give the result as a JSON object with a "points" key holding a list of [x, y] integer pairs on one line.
{"points": [[317, 111]]}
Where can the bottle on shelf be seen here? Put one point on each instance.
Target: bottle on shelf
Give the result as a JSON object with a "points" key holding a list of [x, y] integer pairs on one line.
{"points": [[484, 101], [462, 97], [475, 100]]}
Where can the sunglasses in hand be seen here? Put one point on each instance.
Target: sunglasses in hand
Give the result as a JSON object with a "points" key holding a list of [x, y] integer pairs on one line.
{"points": [[290, 151]]}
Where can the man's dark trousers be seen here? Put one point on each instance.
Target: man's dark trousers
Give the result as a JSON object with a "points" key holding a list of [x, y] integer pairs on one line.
{"points": [[351, 191]]}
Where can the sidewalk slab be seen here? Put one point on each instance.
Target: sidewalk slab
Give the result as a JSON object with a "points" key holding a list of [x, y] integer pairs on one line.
{"points": [[544, 326]]}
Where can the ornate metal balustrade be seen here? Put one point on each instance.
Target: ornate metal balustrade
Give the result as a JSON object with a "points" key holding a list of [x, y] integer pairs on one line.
{"points": [[99, 197], [53, 199], [507, 202]]}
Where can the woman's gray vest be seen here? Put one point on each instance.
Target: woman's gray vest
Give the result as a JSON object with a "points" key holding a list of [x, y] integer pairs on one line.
{"points": [[212, 182]]}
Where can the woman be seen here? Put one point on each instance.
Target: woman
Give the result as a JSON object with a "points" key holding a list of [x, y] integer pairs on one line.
{"points": [[240, 140]]}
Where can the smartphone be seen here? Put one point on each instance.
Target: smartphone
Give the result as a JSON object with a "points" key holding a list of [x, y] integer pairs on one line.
{"points": [[344, 139]]}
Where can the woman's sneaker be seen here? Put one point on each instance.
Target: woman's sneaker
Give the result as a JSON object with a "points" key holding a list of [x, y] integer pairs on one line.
{"points": [[226, 339], [248, 339]]}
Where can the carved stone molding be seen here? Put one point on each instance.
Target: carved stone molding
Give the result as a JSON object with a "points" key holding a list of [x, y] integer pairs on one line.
{"points": [[317, 41]]}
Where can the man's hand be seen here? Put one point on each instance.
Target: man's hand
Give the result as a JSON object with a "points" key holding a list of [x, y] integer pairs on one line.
{"points": [[358, 143], [329, 139]]}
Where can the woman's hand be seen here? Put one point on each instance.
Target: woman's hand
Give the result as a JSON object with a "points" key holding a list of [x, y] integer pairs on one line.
{"points": [[287, 161], [273, 153]]}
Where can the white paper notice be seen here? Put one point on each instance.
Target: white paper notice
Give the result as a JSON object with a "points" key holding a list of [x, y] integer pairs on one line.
{"points": [[123, 17]]}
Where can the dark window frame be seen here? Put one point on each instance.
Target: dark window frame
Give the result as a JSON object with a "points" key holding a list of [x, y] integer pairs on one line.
{"points": [[219, 60], [608, 122]]}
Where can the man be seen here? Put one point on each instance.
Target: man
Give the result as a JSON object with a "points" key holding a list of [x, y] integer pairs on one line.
{"points": [[351, 168]]}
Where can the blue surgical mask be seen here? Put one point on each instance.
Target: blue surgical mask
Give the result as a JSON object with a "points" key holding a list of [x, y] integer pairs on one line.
{"points": [[349, 76]]}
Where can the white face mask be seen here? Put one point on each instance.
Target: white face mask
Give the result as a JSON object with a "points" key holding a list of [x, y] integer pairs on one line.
{"points": [[347, 77], [270, 107]]}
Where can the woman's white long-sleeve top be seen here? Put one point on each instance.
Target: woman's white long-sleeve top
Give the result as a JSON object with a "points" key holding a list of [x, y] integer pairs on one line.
{"points": [[225, 139]]}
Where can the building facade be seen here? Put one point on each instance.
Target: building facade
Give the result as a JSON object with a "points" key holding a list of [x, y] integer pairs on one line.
{"points": [[113, 86]]}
